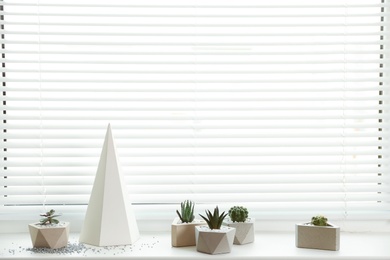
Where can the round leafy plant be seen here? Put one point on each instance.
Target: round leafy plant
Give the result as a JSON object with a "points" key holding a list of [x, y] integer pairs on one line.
{"points": [[319, 221], [238, 214], [49, 218]]}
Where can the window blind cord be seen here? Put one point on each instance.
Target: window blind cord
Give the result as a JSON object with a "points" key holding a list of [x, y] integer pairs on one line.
{"points": [[41, 172], [195, 120], [343, 159]]}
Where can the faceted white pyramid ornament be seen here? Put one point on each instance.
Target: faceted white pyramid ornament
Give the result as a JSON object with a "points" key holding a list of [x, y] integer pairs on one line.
{"points": [[109, 219]]}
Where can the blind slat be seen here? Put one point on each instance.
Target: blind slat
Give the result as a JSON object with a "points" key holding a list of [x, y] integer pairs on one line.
{"points": [[198, 53], [116, 24], [227, 171], [115, 5], [203, 44], [110, 34], [172, 15]]}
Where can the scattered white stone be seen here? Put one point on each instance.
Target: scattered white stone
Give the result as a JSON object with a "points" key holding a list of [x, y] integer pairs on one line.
{"points": [[75, 248], [71, 248]]}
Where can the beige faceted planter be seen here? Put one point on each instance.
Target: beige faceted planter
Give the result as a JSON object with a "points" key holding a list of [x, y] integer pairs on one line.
{"points": [[51, 236], [317, 237], [245, 231], [214, 241], [183, 234]]}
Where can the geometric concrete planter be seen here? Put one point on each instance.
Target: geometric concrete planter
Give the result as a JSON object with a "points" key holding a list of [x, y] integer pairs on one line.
{"points": [[214, 241], [51, 236], [183, 234], [317, 237], [245, 231]]}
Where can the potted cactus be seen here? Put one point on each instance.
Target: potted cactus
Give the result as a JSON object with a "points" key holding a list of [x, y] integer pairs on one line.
{"points": [[245, 231], [183, 226], [317, 234], [214, 238], [49, 232]]}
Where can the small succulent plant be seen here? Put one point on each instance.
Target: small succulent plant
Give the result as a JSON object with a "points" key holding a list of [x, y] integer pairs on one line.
{"points": [[187, 211], [49, 218], [238, 214], [319, 221], [214, 221]]}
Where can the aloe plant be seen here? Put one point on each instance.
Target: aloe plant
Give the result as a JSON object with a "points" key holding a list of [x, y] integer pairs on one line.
{"points": [[49, 218], [187, 211], [214, 221], [238, 214], [319, 221]]}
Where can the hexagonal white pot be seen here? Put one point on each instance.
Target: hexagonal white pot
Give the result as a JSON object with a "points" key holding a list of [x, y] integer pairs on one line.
{"points": [[51, 236], [214, 241], [183, 234], [245, 231], [317, 237]]}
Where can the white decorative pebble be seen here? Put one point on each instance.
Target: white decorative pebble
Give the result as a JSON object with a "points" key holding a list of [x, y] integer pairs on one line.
{"points": [[71, 248], [75, 248]]}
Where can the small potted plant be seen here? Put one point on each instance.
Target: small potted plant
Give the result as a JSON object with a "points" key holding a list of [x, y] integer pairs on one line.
{"points": [[49, 232], [183, 226], [238, 218], [317, 234], [214, 238]]}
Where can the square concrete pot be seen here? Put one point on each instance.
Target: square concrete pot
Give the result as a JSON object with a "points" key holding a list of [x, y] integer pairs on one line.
{"points": [[245, 231], [183, 234], [51, 236], [317, 237], [214, 241]]}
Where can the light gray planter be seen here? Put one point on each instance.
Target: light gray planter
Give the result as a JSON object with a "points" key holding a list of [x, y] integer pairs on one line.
{"points": [[317, 237], [50, 236], [214, 241], [245, 231], [183, 234]]}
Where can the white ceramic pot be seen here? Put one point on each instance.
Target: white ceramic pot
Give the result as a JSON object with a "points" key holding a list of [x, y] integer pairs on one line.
{"points": [[245, 231], [214, 241], [183, 234], [317, 237], [51, 236]]}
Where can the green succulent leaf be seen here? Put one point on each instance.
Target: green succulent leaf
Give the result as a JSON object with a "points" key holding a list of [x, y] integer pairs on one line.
{"points": [[49, 218], [54, 221], [187, 211], [214, 220]]}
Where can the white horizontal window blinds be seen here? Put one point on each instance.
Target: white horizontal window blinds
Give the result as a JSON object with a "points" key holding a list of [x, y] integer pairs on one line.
{"points": [[278, 106]]}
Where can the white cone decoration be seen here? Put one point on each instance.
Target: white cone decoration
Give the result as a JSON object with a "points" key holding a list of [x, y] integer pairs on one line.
{"points": [[109, 219]]}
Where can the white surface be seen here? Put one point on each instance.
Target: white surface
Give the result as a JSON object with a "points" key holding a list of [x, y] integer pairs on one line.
{"points": [[110, 219], [267, 246]]}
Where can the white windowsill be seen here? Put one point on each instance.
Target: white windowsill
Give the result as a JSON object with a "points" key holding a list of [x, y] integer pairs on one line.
{"points": [[270, 246]]}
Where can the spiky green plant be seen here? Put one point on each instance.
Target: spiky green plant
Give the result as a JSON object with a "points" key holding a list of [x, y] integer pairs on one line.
{"points": [[319, 221], [238, 214], [187, 211], [214, 221], [49, 218]]}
